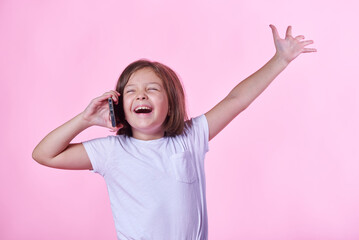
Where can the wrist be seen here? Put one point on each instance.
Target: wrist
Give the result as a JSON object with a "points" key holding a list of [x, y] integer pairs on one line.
{"points": [[84, 121], [277, 58]]}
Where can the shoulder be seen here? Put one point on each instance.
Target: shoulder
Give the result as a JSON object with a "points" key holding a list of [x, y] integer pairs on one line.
{"points": [[196, 124], [197, 132], [200, 120], [104, 142]]}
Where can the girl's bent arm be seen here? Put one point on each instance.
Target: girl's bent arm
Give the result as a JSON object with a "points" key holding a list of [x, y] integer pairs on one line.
{"points": [[55, 149], [249, 89]]}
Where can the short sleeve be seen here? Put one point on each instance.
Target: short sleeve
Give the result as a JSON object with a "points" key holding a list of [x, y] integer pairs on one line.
{"points": [[200, 133], [97, 150]]}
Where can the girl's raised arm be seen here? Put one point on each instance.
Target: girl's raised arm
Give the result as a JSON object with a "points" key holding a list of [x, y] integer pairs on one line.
{"points": [[245, 92], [55, 149]]}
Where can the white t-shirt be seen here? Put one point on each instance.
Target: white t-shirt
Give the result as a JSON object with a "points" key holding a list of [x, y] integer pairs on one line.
{"points": [[157, 188]]}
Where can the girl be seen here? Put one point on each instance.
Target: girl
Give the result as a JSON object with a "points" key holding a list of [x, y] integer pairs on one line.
{"points": [[154, 166]]}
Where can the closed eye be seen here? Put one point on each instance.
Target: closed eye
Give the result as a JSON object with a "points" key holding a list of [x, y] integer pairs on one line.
{"points": [[154, 89]]}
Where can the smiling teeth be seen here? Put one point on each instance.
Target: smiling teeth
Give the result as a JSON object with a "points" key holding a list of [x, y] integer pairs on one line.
{"points": [[142, 108]]}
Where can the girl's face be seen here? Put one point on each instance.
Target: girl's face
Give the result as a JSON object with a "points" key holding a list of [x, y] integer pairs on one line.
{"points": [[145, 104]]}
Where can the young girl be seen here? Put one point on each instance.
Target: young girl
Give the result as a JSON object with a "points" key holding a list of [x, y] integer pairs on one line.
{"points": [[154, 166]]}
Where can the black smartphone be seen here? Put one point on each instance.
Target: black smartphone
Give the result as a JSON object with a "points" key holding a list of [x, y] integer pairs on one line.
{"points": [[116, 111]]}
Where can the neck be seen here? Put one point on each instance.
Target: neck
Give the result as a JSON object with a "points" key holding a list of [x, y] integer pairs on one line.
{"points": [[147, 136]]}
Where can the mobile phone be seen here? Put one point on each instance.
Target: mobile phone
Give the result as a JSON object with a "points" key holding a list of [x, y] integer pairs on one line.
{"points": [[115, 111]]}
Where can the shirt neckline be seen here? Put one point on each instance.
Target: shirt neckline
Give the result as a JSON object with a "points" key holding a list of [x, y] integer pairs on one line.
{"points": [[146, 142]]}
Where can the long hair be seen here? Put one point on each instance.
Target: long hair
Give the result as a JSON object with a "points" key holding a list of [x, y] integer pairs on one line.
{"points": [[175, 123]]}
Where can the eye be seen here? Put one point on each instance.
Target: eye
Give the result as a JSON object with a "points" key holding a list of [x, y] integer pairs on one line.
{"points": [[130, 91], [152, 89]]}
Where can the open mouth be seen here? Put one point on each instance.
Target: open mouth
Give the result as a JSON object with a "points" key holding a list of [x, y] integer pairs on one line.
{"points": [[143, 109]]}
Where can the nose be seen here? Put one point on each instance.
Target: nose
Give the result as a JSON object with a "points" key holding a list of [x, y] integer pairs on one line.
{"points": [[141, 95]]}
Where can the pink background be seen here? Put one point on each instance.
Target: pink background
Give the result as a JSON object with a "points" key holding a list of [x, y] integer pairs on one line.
{"points": [[286, 168]]}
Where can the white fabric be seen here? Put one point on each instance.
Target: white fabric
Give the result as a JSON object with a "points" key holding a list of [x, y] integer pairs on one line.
{"points": [[156, 188]]}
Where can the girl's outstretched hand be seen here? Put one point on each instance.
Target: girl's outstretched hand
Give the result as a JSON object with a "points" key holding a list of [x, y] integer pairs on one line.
{"points": [[290, 47], [98, 112]]}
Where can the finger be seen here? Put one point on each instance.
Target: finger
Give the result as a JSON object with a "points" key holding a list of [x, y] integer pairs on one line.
{"points": [[105, 96], [274, 32], [309, 50], [112, 129], [111, 94], [101, 99], [118, 95], [289, 32], [300, 37], [116, 92], [305, 43], [114, 95]]}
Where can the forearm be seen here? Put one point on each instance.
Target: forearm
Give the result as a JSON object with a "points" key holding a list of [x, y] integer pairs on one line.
{"points": [[59, 139], [251, 87]]}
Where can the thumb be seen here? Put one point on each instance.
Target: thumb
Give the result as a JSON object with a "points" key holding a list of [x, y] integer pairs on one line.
{"points": [[115, 129], [274, 32]]}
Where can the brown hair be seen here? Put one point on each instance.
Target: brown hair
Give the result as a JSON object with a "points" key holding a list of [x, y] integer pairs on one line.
{"points": [[174, 124]]}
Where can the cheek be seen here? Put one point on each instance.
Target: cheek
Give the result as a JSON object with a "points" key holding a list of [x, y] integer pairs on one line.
{"points": [[126, 105], [165, 106], [163, 101]]}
